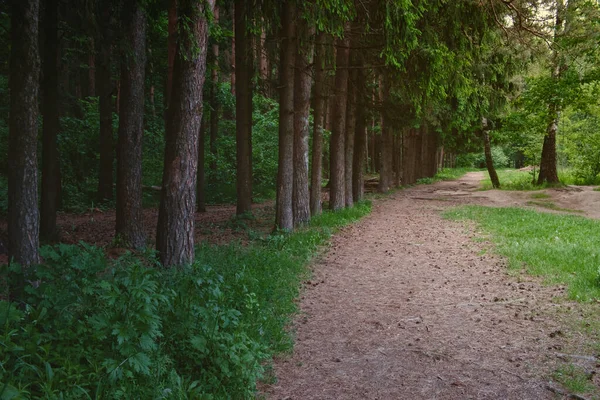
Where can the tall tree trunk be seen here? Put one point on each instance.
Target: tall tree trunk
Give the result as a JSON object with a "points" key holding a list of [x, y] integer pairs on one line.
{"points": [[337, 149], [200, 194], [171, 48], [386, 169], [263, 62], [489, 162], [243, 107], [129, 222], [50, 102], [214, 99], [92, 71], [105, 92], [233, 57], [23, 214], [548, 169], [175, 231], [349, 139], [284, 217], [302, 86], [318, 120], [360, 139]]}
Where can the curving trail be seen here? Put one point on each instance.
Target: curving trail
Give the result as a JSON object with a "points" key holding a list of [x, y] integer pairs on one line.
{"points": [[406, 305]]}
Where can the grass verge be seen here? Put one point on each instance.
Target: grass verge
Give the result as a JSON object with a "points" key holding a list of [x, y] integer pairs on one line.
{"points": [[515, 179], [560, 248], [99, 328]]}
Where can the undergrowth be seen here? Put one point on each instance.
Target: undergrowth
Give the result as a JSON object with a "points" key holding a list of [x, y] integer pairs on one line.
{"points": [[561, 248], [89, 327]]}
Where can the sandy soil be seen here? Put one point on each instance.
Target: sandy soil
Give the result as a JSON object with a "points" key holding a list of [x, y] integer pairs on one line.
{"points": [[405, 305]]}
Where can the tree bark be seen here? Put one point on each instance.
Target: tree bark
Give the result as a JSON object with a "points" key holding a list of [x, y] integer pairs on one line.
{"points": [[360, 140], [214, 99], [302, 86], [337, 162], [105, 88], [386, 166], [23, 214], [243, 108], [200, 194], [171, 48], [50, 102], [284, 217], [349, 139], [318, 120], [129, 222], [175, 232], [548, 169], [489, 162]]}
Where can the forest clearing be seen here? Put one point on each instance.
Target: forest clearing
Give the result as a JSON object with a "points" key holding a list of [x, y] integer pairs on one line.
{"points": [[284, 199]]}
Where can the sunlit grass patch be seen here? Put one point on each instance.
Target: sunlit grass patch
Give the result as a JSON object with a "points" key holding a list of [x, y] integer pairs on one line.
{"points": [[447, 174], [560, 248]]}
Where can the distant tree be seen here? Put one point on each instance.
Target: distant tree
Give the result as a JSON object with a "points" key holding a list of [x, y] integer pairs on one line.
{"points": [[50, 109], [337, 148], [129, 223], [23, 214], [302, 88], [284, 217], [243, 106], [175, 230], [105, 92]]}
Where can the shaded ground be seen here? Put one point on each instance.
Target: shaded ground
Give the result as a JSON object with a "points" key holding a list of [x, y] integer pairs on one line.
{"points": [[217, 225], [406, 305]]}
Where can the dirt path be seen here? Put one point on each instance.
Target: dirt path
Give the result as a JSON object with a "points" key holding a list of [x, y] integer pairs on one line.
{"points": [[406, 305]]}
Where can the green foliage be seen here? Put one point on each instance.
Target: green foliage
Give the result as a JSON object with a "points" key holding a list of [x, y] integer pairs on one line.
{"points": [[580, 140], [560, 248], [220, 183], [477, 160], [574, 378], [512, 179], [124, 329]]}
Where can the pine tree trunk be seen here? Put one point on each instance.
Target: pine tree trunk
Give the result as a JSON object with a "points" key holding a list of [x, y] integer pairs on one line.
{"points": [[200, 195], [171, 48], [360, 140], [233, 58], [489, 162], [50, 102], [105, 89], [349, 139], [175, 231], [337, 165], [284, 217], [23, 214], [129, 222], [302, 86], [386, 166], [214, 99], [243, 108], [318, 120]]}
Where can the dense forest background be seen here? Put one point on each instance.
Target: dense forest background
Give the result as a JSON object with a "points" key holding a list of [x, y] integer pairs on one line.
{"points": [[173, 105]]}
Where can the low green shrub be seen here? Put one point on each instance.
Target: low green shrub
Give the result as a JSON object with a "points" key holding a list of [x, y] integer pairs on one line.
{"points": [[88, 327]]}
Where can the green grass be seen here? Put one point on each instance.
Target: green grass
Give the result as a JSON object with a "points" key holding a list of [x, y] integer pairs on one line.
{"points": [[551, 206], [540, 195], [514, 179], [573, 378], [561, 248], [447, 174]]}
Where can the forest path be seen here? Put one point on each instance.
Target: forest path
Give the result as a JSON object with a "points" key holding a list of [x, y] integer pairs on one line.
{"points": [[405, 305]]}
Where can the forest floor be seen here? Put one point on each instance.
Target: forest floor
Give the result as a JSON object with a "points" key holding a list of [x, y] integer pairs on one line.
{"points": [[407, 305]]}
